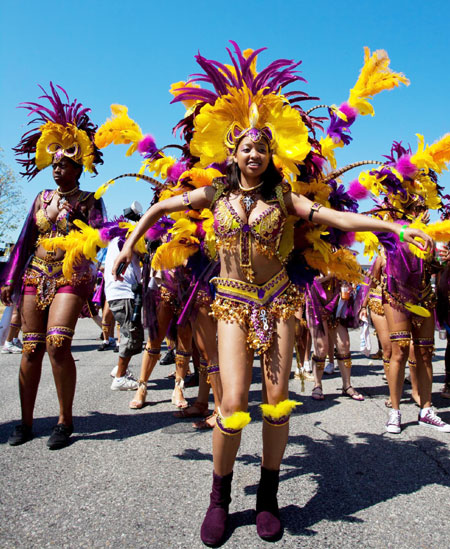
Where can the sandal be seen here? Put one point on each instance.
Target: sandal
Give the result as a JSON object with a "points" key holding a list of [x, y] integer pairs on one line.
{"points": [[180, 402], [317, 393], [352, 393], [198, 409], [207, 423], [138, 401]]}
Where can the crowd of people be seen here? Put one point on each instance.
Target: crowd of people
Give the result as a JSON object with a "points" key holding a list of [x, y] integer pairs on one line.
{"points": [[245, 249]]}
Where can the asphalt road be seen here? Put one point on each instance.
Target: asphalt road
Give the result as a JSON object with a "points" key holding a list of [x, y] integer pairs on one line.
{"points": [[142, 478]]}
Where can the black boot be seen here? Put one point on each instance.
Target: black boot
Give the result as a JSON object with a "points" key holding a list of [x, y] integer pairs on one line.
{"points": [[214, 523], [268, 523]]}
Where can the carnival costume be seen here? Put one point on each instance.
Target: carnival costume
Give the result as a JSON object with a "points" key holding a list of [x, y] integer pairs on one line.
{"points": [[246, 103], [65, 131]]}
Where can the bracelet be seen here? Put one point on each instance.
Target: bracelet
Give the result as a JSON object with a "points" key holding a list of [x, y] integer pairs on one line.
{"points": [[186, 201], [402, 233], [314, 208]]}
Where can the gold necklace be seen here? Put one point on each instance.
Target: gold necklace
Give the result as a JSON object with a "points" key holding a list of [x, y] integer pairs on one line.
{"points": [[67, 193], [249, 189]]}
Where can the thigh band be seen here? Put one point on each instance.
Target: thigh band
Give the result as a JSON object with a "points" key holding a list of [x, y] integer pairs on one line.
{"points": [[412, 363], [181, 356], [31, 340], [402, 338], [57, 334], [424, 342], [156, 353]]}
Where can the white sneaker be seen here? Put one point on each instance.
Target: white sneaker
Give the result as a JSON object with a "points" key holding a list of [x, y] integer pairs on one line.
{"points": [[393, 424], [307, 367], [10, 348], [431, 419], [329, 369], [336, 367], [124, 384], [128, 373]]}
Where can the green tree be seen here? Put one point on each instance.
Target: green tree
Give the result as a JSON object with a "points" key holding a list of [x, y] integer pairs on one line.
{"points": [[12, 203]]}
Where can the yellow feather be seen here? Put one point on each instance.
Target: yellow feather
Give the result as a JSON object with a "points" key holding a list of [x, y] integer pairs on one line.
{"points": [[174, 253], [282, 409], [236, 421], [119, 129], [375, 76]]}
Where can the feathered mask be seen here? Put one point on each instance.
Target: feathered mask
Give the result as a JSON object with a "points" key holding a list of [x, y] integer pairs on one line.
{"points": [[63, 130]]}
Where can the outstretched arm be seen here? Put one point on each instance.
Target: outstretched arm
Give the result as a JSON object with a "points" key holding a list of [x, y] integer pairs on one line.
{"points": [[348, 221], [198, 199]]}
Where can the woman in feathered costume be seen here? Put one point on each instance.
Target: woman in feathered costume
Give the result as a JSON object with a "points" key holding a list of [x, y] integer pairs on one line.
{"points": [[248, 121], [51, 271], [408, 183]]}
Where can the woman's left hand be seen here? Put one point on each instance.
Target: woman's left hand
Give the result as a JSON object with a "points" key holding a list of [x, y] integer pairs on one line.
{"points": [[410, 235]]}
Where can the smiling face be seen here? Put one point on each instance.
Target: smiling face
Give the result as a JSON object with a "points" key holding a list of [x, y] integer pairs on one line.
{"points": [[66, 173], [252, 158]]}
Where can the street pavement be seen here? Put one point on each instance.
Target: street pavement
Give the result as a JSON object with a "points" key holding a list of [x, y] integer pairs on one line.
{"points": [[141, 478]]}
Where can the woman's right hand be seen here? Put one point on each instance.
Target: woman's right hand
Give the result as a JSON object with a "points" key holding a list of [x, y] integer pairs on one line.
{"points": [[6, 295], [124, 257]]}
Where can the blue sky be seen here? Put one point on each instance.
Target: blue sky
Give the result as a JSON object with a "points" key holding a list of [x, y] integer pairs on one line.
{"points": [[105, 52]]}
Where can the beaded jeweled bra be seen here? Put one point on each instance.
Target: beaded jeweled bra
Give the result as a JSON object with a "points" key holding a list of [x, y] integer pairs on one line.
{"points": [[265, 231]]}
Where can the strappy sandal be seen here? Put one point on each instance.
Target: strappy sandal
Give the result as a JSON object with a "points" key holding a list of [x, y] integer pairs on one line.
{"points": [[198, 409], [207, 423], [180, 402], [352, 393], [317, 393], [138, 401]]}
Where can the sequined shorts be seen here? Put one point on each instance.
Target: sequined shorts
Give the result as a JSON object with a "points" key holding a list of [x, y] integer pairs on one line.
{"points": [[45, 279], [256, 307]]}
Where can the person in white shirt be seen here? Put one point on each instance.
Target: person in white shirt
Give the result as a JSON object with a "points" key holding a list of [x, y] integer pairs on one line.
{"points": [[120, 295]]}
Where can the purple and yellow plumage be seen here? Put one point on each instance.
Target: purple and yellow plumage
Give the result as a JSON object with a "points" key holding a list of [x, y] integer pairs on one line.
{"points": [[63, 129]]}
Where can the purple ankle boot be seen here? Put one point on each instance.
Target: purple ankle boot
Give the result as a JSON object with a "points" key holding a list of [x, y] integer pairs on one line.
{"points": [[214, 523], [268, 523]]}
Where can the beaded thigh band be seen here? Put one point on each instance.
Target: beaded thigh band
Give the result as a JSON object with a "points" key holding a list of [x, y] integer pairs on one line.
{"points": [[233, 424], [424, 342], [211, 370], [319, 362], [256, 307], [412, 363], [386, 362], [203, 366], [57, 334], [180, 358], [278, 415], [346, 359], [15, 325], [155, 353], [31, 340], [403, 338]]}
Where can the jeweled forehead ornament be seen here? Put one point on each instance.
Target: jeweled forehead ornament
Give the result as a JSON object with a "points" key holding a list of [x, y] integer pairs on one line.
{"points": [[235, 134]]}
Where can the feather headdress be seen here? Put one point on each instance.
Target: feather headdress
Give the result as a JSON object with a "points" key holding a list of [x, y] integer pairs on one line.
{"points": [[61, 130]]}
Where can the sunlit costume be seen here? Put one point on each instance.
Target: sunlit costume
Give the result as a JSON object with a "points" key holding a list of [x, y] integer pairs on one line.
{"points": [[246, 103], [54, 257], [65, 131], [408, 183]]}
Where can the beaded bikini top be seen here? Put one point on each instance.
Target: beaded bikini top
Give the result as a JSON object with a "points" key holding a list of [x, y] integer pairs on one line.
{"points": [[264, 232], [47, 226]]}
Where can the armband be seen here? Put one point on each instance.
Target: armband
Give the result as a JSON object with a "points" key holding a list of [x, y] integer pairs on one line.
{"points": [[314, 208], [186, 201]]}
